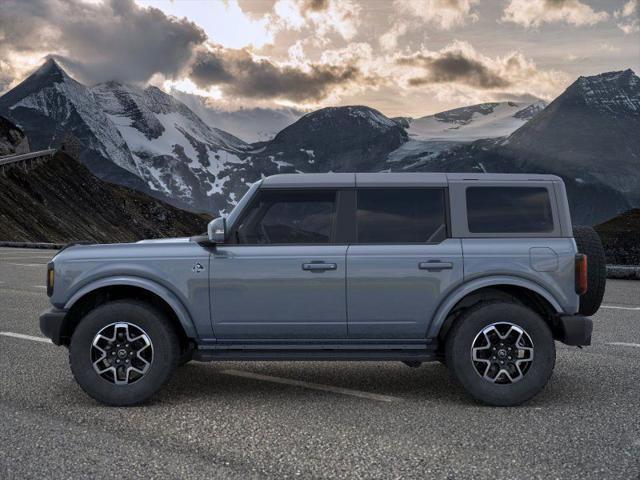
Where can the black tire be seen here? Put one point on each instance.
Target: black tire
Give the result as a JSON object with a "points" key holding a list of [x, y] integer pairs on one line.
{"points": [[165, 348], [458, 353], [588, 242]]}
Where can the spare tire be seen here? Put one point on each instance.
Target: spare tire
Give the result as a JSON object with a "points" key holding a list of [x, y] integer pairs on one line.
{"points": [[589, 243]]}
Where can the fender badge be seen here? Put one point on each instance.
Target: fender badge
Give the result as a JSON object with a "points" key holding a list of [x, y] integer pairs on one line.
{"points": [[197, 268]]}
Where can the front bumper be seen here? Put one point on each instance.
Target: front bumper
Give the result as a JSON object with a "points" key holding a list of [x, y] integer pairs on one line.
{"points": [[52, 323], [575, 330]]}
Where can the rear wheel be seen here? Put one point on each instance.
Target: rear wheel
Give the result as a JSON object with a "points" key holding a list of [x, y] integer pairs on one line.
{"points": [[123, 352], [502, 353]]}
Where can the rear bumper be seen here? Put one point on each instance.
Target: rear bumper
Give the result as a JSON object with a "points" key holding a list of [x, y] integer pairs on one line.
{"points": [[575, 330], [52, 323]]}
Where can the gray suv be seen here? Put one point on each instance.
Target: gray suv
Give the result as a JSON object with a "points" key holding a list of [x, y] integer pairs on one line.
{"points": [[479, 271]]}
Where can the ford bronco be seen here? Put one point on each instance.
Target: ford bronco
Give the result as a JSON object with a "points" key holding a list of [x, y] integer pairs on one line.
{"points": [[482, 272]]}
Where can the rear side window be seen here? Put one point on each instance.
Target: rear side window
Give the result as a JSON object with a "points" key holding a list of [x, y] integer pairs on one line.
{"points": [[509, 210], [401, 215], [291, 217]]}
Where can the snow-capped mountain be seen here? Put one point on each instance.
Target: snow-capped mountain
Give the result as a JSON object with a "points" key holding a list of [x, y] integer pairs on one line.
{"points": [[612, 92], [250, 124], [59, 200], [466, 124], [174, 151], [53, 104], [146, 139], [334, 139], [434, 135], [589, 135], [141, 138]]}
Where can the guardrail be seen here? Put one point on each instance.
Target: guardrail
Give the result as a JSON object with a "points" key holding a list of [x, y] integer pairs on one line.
{"points": [[25, 157], [45, 245], [624, 272]]}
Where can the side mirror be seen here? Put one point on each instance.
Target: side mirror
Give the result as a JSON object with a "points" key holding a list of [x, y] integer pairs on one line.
{"points": [[217, 230]]}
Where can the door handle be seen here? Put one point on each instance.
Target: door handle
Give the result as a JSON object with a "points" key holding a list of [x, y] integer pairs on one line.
{"points": [[435, 266], [319, 267]]}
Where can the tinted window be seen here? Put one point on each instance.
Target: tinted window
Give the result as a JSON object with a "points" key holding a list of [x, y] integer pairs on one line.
{"points": [[401, 215], [289, 217], [509, 210]]}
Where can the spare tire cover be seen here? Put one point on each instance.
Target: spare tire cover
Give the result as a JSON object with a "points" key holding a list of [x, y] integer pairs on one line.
{"points": [[589, 243]]}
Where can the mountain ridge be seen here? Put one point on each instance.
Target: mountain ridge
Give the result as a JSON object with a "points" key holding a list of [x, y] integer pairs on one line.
{"points": [[173, 154], [592, 143], [58, 200]]}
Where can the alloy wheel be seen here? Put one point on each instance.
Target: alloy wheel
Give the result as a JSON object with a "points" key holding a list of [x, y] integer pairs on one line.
{"points": [[502, 353], [121, 353]]}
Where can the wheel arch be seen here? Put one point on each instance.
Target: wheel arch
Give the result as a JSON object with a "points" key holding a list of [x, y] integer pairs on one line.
{"points": [[522, 290], [120, 288]]}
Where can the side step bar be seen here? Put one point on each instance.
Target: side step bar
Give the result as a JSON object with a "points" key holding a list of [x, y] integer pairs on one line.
{"points": [[420, 352]]}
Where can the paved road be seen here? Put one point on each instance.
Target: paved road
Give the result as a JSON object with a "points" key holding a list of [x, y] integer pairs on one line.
{"points": [[219, 421]]}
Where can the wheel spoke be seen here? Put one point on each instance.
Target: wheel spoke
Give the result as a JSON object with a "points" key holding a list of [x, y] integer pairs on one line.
{"points": [[489, 377], [143, 360]]}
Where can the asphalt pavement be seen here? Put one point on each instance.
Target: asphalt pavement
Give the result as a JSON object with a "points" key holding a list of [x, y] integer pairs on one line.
{"points": [[315, 419]]}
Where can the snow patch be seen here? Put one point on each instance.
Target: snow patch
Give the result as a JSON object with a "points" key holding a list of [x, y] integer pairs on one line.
{"points": [[500, 121]]}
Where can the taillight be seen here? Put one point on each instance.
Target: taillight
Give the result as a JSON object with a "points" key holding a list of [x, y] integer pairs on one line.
{"points": [[581, 274], [50, 278]]}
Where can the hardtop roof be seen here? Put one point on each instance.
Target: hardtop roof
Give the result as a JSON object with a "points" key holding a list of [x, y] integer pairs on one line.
{"points": [[391, 179]]}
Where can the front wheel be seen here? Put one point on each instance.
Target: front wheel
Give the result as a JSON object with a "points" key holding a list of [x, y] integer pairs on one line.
{"points": [[123, 352], [502, 353]]}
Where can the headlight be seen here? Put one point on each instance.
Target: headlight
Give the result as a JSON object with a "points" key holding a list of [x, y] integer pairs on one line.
{"points": [[50, 278]]}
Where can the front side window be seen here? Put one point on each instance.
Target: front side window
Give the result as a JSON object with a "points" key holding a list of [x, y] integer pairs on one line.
{"points": [[289, 217], [401, 215], [509, 210]]}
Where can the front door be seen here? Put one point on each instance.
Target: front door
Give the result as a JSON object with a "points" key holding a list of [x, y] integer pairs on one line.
{"points": [[401, 264], [282, 276]]}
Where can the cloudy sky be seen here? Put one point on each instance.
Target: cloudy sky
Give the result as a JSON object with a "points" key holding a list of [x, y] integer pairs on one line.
{"points": [[404, 57]]}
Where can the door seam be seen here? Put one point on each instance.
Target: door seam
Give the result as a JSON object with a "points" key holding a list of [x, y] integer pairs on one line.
{"points": [[346, 297]]}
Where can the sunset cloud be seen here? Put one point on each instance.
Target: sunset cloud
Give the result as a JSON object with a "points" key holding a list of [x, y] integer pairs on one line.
{"points": [[113, 40], [459, 69], [389, 40], [533, 13], [323, 16], [444, 14], [401, 56], [629, 17], [239, 73]]}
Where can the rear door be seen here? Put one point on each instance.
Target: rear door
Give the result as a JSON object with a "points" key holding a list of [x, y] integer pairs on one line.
{"points": [[402, 262], [283, 274]]}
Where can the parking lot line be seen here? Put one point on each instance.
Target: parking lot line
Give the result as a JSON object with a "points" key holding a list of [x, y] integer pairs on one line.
{"points": [[617, 307], [289, 381], [28, 264], [24, 253], [43, 260], [624, 344], [25, 337], [7, 255], [312, 386], [257, 376]]}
